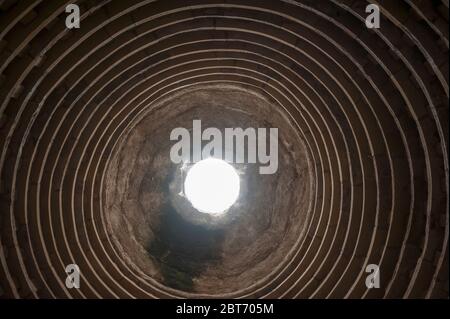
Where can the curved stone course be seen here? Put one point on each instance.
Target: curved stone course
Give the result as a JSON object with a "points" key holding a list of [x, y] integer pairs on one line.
{"points": [[363, 115]]}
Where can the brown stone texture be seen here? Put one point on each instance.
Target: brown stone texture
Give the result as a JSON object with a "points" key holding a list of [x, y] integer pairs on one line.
{"points": [[85, 174]]}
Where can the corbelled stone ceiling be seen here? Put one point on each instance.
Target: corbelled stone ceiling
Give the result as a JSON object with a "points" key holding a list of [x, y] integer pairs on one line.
{"points": [[85, 174]]}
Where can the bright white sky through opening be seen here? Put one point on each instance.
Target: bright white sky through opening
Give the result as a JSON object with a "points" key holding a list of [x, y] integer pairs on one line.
{"points": [[212, 186]]}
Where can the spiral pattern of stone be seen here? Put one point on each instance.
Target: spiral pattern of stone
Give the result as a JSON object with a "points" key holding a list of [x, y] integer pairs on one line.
{"points": [[370, 107]]}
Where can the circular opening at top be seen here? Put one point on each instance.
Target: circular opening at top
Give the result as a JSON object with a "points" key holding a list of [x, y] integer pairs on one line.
{"points": [[212, 186]]}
